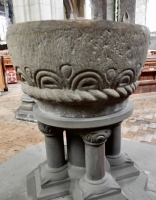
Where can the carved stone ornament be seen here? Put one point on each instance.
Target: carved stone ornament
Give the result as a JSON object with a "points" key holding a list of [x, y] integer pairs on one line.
{"points": [[78, 62], [95, 137], [49, 131]]}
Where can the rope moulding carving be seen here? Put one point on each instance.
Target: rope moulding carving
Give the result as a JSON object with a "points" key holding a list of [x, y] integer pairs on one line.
{"points": [[67, 96], [47, 85]]}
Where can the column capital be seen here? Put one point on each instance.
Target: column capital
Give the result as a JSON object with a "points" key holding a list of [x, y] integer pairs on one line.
{"points": [[95, 136], [49, 131]]}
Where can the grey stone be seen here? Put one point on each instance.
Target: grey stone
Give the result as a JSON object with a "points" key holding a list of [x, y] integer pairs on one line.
{"points": [[14, 170], [25, 111], [127, 11], [135, 188], [77, 123], [66, 72], [36, 191], [75, 147], [100, 190], [75, 173], [99, 9], [122, 167], [81, 76], [110, 10]]}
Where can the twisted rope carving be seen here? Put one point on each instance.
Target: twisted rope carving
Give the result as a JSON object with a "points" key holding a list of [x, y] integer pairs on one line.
{"points": [[67, 96]]}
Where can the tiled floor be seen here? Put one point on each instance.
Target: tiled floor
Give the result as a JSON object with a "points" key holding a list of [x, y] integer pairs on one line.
{"points": [[141, 126], [16, 135]]}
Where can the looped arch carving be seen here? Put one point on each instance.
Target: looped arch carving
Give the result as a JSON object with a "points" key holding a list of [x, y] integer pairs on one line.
{"points": [[124, 78], [48, 79], [87, 80], [25, 76]]}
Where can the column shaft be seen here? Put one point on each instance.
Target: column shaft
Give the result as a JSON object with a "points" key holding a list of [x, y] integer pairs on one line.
{"points": [[55, 151], [76, 152], [54, 145], [95, 161], [99, 9], [95, 152], [113, 144]]}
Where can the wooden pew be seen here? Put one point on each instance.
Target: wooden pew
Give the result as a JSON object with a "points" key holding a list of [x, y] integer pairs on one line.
{"points": [[147, 79]]}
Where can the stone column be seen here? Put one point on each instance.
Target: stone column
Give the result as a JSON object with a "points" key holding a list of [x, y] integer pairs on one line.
{"points": [[113, 148], [54, 145], [127, 11], [113, 144], [95, 152], [54, 169], [121, 164], [99, 9], [76, 154], [25, 11], [110, 10], [96, 182]]}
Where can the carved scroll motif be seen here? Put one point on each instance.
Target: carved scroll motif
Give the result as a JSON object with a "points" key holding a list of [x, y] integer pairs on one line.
{"points": [[87, 80], [85, 86], [49, 131], [95, 137], [25, 76], [48, 79]]}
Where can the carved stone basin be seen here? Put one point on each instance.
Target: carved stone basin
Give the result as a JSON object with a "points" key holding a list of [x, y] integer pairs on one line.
{"points": [[78, 68]]}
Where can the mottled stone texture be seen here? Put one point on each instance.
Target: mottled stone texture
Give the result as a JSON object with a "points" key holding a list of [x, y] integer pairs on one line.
{"points": [[79, 63], [127, 11], [99, 9], [110, 10]]}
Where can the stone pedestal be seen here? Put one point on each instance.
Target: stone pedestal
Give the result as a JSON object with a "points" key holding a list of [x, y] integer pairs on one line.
{"points": [[76, 156], [96, 183], [25, 111], [51, 178], [86, 167], [81, 76]]}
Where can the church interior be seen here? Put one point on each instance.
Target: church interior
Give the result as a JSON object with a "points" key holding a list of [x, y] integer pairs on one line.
{"points": [[20, 139]]}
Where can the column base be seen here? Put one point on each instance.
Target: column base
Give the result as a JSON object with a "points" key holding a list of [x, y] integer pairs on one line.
{"points": [[25, 115], [25, 111], [78, 172], [104, 189], [45, 185], [75, 173], [122, 167], [107, 166]]}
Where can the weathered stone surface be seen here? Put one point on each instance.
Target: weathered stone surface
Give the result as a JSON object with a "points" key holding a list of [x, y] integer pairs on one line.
{"points": [[127, 11], [25, 111], [79, 62], [110, 10]]}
